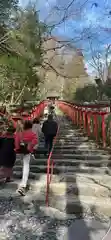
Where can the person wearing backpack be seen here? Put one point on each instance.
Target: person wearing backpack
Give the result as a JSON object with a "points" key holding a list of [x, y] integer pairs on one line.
{"points": [[25, 142], [49, 130]]}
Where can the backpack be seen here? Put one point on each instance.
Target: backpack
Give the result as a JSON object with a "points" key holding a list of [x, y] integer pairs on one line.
{"points": [[23, 148]]}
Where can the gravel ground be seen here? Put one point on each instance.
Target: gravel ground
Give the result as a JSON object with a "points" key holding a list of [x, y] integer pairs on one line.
{"points": [[24, 221]]}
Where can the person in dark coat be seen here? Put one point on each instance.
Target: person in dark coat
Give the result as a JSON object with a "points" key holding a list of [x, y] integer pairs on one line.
{"points": [[49, 130], [7, 154]]}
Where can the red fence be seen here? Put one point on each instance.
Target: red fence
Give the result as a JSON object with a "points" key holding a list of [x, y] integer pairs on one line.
{"points": [[38, 110], [90, 118], [35, 113]]}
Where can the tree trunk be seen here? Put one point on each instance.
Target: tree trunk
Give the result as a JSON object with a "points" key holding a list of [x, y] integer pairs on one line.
{"points": [[21, 93], [12, 98]]}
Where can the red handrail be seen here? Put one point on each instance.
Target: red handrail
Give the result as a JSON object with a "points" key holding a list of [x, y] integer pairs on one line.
{"points": [[50, 166], [82, 117]]}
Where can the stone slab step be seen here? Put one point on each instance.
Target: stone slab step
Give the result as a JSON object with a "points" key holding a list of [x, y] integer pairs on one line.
{"points": [[80, 151], [72, 133], [68, 135], [104, 180], [64, 189], [81, 157], [64, 128], [73, 138], [79, 188], [65, 162], [78, 205], [77, 178], [77, 144], [79, 147], [32, 175], [81, 204], [70, 139], [76, 162], [97, 178], [58, 170]]}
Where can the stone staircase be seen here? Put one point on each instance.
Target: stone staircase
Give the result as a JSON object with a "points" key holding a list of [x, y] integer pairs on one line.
{"points": [[80, 183]]}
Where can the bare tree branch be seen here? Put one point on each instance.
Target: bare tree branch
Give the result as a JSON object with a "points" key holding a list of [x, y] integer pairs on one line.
{"points": [[66, 15], [47, 66]]}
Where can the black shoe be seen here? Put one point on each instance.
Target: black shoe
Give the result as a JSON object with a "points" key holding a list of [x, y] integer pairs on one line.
{"points": [[8, 179]]}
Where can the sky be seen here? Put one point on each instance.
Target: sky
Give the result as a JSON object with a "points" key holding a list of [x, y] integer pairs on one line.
{"points": [[88, 23]]}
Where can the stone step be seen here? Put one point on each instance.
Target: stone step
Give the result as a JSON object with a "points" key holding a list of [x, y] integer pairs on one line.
{"points": [[78, 205], [32, 175], [76, 144], [64, 188], [71, 133], [79, 147], [65, 162], [75, 178], [69, 138], [81, 157], [98, 178], [68, 127], [71, 142], [58, 170], [81, 204], [80, 151], [79, 163], [79, 188]]}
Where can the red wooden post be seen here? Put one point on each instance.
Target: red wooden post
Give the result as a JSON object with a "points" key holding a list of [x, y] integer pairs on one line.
{"points": [[80, 120], [84, 119], [69, 111], [103, 130], [95, 126], [74, 115], [88, 125], [77, 116]]}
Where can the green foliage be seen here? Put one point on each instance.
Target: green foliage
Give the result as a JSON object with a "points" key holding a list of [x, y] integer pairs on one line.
{"points": [[92, 92], [86, 94], [107, 90], [21, 56], [6, 7]]}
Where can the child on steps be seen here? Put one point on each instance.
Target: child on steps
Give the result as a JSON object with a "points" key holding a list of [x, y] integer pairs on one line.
{"points": [[25, 142]]}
